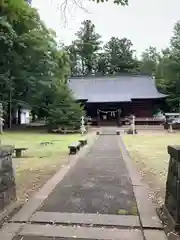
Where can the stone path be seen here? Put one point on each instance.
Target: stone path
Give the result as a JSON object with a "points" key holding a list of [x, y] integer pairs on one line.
{"points": [[99, 183], [99, 196]]}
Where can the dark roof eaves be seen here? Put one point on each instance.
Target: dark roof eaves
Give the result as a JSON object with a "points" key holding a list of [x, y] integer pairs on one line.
{"points": [[110, 75]]}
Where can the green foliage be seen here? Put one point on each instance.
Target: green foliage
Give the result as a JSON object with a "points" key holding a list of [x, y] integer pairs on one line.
{"points": [[87, 56], [165, 66], [74, 59], [63, 111], [33, 68], [168, 70], [83, 50], [118, 56], [149, 61]]}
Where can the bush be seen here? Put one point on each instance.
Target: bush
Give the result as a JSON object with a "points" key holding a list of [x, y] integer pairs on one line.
{"points": [[64, 112]]}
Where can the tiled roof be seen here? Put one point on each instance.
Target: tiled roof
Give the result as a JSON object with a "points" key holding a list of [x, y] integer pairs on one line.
{"points": [[109, 98], [121, 88]]}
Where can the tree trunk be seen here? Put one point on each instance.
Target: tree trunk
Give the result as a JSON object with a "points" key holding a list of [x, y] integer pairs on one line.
{"points": [[19, 115], [83, 70], [14, 116], [89, 65], [9, 111], [33, 116]]}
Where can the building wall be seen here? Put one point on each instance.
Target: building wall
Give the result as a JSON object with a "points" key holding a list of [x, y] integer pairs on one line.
{"points": [[92, 108], [25, 116], [140, 108]]}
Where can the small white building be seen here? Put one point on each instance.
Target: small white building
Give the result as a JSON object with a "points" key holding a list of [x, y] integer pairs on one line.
{"points": [[25, 116]]}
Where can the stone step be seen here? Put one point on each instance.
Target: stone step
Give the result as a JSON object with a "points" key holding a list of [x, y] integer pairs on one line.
{"points": [[17, 231], [66, 232], [86, 219]]}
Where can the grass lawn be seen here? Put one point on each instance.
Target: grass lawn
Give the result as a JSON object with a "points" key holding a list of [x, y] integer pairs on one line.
{"points": [[39, 162], [150, 154]]}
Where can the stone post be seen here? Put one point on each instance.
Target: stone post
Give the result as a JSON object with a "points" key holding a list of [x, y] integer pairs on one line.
{"points": [[133, 124], [118, 120], [7, 179], [172, 197]]}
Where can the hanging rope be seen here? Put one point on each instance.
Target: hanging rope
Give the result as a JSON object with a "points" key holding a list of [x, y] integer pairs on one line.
{"points": [[106, 112]]}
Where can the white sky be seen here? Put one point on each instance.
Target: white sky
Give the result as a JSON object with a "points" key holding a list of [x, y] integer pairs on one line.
{"points": [[144, 22]]}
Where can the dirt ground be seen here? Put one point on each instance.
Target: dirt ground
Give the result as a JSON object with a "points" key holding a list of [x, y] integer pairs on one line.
{"points": [[40, 161], [149, 151]]}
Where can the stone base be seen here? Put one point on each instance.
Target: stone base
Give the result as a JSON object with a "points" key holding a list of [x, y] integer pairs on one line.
{"points": [[170, 226], [130, 131], [7, 179]]}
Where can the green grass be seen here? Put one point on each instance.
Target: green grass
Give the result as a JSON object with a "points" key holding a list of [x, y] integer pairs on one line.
{"points": [[151, 157], [39, 162]]}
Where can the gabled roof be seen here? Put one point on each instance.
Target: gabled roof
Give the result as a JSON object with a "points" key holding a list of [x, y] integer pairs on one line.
{"points": [[121, 88]]}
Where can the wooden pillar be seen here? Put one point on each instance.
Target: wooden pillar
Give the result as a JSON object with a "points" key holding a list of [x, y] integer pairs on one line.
{"points": [[98, 118], [118, 120]]}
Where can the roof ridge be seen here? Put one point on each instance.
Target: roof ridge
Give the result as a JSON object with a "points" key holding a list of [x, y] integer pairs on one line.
{"points": [[112, 76]]}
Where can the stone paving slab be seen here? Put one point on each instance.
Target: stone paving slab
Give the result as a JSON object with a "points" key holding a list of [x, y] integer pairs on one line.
{"points": [[46, 238], [148, 215], [10, 230], [149, 235], [154, 234], [86, 219], [95, 184], [81, 232]]}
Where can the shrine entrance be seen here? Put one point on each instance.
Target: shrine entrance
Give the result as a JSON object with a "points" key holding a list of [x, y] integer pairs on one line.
{"points": [[108, 117]]}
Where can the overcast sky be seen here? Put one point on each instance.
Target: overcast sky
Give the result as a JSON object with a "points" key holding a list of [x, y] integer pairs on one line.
{"points": [[145, 22]]}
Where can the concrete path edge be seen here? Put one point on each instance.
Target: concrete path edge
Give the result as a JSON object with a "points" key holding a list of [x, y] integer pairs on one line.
{"points": [[148, 216]]}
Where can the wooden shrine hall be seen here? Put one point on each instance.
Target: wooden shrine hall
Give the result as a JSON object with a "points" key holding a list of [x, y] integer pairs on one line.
{"points": [[110, 99]]}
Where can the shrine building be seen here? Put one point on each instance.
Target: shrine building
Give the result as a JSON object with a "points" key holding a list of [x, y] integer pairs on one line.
{"points": [[110, 99]]}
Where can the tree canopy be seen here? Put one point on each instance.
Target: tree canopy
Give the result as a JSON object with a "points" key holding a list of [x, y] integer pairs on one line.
{"points": [[165, 66], [33, 68], [88, 55]]}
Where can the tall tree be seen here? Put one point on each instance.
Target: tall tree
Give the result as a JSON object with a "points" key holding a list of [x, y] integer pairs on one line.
{"points": [[117, 56], [102, 63], [87, 45], [149, 61], [75, 60], [168, 70], [33, 67]]}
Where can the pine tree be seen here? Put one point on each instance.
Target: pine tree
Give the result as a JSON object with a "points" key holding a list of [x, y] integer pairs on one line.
{"points": [[87, 45], [64, 112]]}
